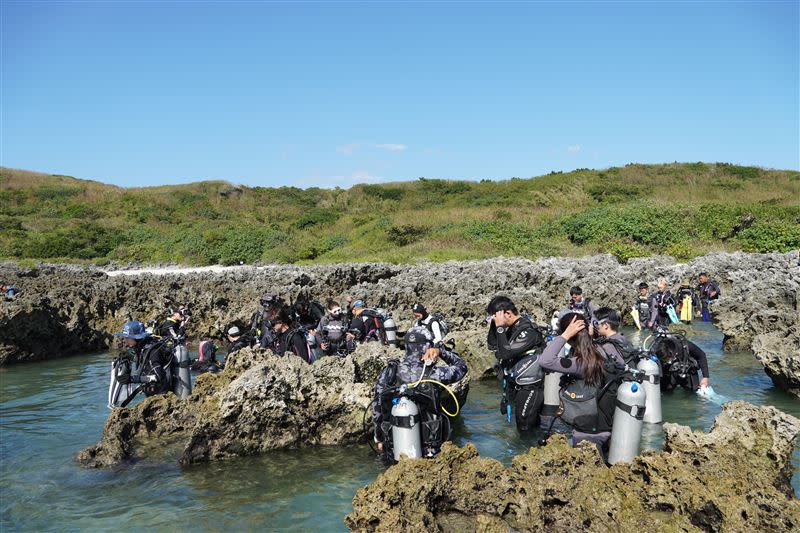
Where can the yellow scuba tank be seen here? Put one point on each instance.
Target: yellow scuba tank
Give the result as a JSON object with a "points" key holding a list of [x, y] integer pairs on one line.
{"points": [[686, 309]]}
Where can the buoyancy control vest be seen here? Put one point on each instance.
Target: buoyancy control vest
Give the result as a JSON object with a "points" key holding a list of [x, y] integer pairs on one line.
{"points": [[589, 408]]}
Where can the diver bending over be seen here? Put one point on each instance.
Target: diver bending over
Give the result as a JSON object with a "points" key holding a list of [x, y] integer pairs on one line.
{"points": [[418, 364]]}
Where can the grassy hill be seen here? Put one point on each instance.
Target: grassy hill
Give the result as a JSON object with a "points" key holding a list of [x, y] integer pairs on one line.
{"points": [[679, 209]]}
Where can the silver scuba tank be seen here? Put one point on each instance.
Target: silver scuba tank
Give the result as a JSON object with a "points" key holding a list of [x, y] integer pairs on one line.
{"points": [[406, 433], [390, 327], [181, 374], [626, 429], [552, 387], [652, 389], [117, 392]]}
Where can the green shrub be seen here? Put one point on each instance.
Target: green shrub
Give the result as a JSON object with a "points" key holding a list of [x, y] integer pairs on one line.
{"points": [[642, 224], [681, 251], [773, 237], [84, 241], [9, 223], [315, 217], [79, 211], [745, 173], [624, 251], [406, 234], [383, 192], [55, 192]]}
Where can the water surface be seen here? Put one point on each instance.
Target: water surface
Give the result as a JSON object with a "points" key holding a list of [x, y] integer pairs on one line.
{"points": [[51, 410]]}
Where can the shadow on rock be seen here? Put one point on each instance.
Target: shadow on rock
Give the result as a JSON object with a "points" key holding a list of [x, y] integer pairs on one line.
{"points": [[734, 478]]}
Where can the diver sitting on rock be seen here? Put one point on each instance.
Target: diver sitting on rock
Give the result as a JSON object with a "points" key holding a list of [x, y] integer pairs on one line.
{"points": [[406, 386], [680, 360], [513, 337], [590, 376], [146, 361], [261, 321]]}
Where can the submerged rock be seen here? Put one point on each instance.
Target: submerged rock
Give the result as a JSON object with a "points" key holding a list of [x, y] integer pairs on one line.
{"points": [[734, 478], [64, 310], [260, 402]]}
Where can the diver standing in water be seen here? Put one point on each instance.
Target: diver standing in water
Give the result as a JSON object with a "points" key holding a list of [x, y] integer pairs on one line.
{"points": [[421, 433], [681, 359], [513, 337], [707, 291], [579, 304], [146, 361], [660, 304], [641, 307]]}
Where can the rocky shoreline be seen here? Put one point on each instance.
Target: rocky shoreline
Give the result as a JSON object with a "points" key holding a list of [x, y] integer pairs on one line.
{"points": [[64, 310], [695, 484]]}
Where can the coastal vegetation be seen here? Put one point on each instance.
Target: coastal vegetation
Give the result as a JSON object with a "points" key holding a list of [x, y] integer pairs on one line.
{"points": [[680, 209]]}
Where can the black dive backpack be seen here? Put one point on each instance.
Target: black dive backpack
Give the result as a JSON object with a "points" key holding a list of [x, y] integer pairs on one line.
{"points": [[630, 354], [156, 361], [374, 319]]}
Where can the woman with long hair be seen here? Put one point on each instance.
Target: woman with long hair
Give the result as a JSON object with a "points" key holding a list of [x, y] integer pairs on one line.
{"points": [[586, 365]]}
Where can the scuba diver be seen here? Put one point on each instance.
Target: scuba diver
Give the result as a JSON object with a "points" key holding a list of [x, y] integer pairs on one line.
{"points": [[290, 339], [432, 322], [680, 360], [641, 307], [332, 330], [261, 321], [306, 315], [407, 414], [610, 340], [207, 358], [707, 291], [147, 361], [579, 304], [685, 299], [513, 337], [371, 325], [174, 327], [660, 304], [590, 372], [237, 340]]}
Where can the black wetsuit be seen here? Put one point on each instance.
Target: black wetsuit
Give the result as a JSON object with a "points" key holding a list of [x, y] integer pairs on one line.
{"points": [[680, 360], [172, 329], [292, 340], [245, 341], [659, 303], [513, 342]]}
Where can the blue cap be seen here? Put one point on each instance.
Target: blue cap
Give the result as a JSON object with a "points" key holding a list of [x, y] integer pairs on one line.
{"points": [[358, 304], [634, 387], [133, 330]]}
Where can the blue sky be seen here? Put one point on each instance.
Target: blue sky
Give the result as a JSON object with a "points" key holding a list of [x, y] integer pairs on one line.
{"points": [[265, 93]]}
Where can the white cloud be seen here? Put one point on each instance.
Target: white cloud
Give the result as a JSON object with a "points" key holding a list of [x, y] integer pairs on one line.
{"points": [[392, 147], [348, 149], [574, 149]]}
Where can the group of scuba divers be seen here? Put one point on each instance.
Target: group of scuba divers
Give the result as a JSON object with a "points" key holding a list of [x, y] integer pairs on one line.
{"points": [[578, 375]]}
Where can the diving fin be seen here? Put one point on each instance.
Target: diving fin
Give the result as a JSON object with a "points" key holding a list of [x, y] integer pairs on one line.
{"points": [[686, 309], [635, 315], [671, 313]]}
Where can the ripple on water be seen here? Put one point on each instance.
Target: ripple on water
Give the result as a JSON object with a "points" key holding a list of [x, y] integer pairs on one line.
{"points": [[51, 410]]}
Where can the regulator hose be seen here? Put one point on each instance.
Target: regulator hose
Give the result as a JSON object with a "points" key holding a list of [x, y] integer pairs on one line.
{"points": [[445, 387]]}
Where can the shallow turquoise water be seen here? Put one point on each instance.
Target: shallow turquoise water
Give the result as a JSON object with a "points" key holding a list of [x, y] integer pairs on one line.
{"points": [[51, 410]]}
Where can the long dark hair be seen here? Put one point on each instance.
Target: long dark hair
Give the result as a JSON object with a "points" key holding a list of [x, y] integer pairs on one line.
{"points": [[583, 349]]}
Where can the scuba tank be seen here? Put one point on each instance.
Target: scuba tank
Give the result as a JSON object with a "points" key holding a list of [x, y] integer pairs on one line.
{"points": [[119, 392], [406, 435], [652, 389], [390, 329], [552, 386], [181, 375], [626, 429]]}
